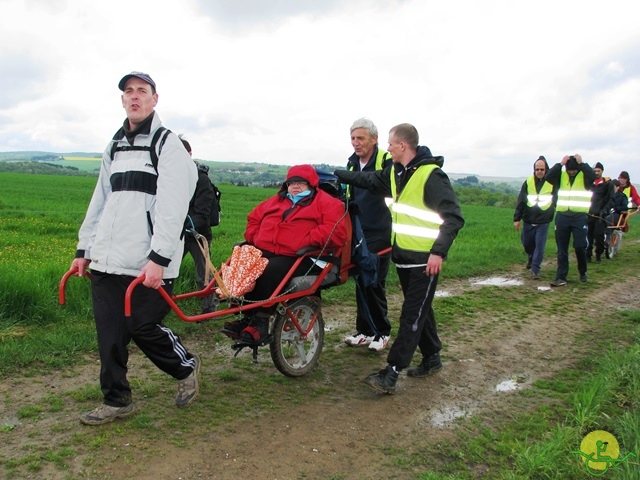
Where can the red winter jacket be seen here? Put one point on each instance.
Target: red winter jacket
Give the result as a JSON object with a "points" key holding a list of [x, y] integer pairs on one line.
{"points": [[282, 228]]}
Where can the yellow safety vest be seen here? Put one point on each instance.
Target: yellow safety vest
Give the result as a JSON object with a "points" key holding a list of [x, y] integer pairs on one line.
{"points": [[379, 165], [574, 198], [414, 226], [627, 192], [544, 199]]}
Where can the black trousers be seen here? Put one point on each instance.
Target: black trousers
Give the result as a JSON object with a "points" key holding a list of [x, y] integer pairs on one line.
{"points": [[372, 319], [568, 226], [417, 319], [595, 236], [191, 246], [145, 328], [276, 270]]}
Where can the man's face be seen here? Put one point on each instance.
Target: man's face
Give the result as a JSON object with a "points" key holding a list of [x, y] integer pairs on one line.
{"points": [[395, 148], [572, 173], [623, 181], [138, 100], [540, 169], [363, 143], [598, 172]]}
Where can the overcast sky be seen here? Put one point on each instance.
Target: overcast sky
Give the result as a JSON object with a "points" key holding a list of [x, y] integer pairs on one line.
{"points": [[489, 84]]}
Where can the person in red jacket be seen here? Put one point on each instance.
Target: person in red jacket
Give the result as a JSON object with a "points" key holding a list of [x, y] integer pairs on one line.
{"points": [[299, 215], [628, 189]]}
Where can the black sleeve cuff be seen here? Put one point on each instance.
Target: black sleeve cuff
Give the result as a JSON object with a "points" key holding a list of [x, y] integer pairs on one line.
{"points": [[160, 260], [79, 253]]}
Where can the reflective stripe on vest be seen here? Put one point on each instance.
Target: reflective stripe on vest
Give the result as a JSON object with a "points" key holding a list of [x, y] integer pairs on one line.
{"points": [[573, 197], [627, 192], [544, 199], [413, 226]]}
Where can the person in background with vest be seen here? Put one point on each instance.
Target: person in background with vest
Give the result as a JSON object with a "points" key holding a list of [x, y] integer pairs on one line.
{"points": [[629, 190], [535, 208], [573, 185], [372, 323], [602, 197], [134, 226], [199, 220], [426, 218]]}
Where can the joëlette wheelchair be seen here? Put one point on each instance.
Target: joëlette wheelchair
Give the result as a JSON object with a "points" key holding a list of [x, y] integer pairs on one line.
{"points": [[296, 328], [617, 224]]}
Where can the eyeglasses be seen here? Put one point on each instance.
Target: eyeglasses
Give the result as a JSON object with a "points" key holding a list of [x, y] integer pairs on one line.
{"points": [[297, 184]]}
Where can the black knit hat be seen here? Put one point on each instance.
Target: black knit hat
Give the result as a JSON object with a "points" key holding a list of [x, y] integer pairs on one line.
{"points": [[599, 165], [572, 164]]}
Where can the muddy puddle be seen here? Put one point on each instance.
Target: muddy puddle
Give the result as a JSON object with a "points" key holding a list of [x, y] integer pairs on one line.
{"points": [[497, 282], [516, 382], [507, 386], [445, 416], [484, 282]]}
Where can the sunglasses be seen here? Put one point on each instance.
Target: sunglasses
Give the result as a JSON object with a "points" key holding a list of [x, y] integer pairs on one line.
{"points": [[299, 184]]}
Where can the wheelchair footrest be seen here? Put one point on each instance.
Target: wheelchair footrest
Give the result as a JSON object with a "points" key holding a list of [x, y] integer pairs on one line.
{"points": [[241, 344]]}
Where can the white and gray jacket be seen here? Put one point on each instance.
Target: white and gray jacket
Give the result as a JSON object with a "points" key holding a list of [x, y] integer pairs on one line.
{"points": [[137, 214]]}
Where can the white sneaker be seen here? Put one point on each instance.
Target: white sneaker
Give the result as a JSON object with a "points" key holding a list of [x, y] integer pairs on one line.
{"points": [[379, 344], [358, 340]]}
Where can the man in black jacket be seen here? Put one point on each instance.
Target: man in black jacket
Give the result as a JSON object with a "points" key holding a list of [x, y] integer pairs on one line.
{"points": [[601, 204], [372, 323], [426, 218], [535, 208], [574, 200], [199, 220]]}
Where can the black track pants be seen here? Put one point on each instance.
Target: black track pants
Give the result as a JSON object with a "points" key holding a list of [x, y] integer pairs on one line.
{"points": [[417, 319], [145, 328]]}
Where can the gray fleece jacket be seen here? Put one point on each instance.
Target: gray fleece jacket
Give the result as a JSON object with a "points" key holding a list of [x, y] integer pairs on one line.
{"points": [[137, 214]]}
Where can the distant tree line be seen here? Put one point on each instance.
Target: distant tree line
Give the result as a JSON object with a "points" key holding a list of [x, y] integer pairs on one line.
{"points": [[470, 190], [43, 168], [46, 158], [479, 196]]}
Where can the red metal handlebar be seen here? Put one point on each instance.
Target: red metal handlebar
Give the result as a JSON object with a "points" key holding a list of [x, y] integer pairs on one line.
{"points": [[63, 283], [129, 292]]}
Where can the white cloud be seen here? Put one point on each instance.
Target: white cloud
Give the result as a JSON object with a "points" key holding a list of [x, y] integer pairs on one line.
{"points": [[490, 85]]}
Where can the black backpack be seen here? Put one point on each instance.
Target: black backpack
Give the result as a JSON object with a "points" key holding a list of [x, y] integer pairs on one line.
{"points": [[215, 206], [214, 216]]}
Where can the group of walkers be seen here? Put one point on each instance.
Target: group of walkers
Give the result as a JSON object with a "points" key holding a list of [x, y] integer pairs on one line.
{"points": [[135, 226], [585, 203], [148, 184]]}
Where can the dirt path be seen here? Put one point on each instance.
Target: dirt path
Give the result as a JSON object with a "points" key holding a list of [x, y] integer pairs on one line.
{"points": [[341, 435]]}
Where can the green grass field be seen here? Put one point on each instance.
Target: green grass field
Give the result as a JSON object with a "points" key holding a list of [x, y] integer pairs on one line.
{"points": [[39, 219]]}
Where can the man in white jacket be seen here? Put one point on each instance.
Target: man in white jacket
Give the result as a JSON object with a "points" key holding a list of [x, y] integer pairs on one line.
{"points": [[133, 226]]}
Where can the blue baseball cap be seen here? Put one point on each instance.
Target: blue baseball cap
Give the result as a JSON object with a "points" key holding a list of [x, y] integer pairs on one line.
{"points": [[142, 76]]}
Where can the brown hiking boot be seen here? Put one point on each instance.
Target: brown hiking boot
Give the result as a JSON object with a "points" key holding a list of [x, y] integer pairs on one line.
{"points": [[105, 414], [189, 387]]}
